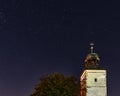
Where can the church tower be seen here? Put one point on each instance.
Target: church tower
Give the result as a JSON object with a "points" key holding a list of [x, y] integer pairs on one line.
{"points": [[93, 78]]}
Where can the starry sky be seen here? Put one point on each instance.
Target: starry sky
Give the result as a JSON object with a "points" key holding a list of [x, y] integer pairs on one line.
{"points": [[43, 36]]}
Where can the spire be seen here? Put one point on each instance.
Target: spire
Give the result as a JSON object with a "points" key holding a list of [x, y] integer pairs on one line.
{"points": [[91, 44]]}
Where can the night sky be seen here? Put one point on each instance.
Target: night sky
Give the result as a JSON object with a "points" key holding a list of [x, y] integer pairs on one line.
{"points": [[43, 36]]}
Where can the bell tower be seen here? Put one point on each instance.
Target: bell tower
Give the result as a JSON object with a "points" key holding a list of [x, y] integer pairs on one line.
{"points": [[93, 78]]}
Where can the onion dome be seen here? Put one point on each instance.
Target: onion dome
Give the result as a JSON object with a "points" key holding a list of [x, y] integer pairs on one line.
{"points": [[92, 59]]}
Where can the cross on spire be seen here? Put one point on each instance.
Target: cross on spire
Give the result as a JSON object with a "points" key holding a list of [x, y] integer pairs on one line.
{"points": [[91, 47]]}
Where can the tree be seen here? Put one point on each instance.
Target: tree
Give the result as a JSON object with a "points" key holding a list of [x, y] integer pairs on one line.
{"points": [[57, 85]]}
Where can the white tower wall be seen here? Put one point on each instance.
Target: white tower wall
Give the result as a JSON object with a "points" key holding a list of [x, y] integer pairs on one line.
{"points": [[93, 83]]}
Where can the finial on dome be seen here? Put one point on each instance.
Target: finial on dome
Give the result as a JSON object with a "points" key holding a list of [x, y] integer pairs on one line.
{"points": [[91, 44]]}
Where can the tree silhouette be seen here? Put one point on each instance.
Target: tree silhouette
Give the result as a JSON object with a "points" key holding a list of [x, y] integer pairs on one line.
{"points": [[57, 85]]}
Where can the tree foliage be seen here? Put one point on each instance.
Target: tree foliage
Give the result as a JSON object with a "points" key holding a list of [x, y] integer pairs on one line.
{"points": [[57, 85]]}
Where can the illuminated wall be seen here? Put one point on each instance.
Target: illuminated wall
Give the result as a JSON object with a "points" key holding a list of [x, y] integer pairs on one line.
{"points": [[93, 83]]}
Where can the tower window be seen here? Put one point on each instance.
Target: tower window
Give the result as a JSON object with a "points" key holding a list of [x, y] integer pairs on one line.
{"points": [[95, 79]]}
